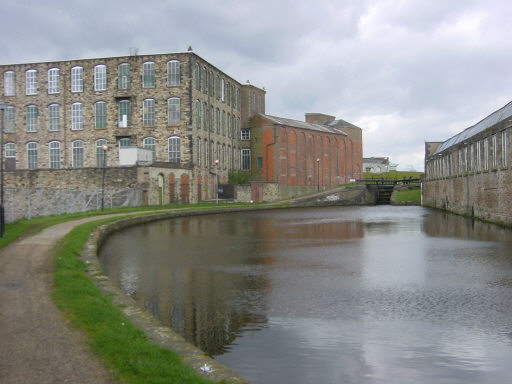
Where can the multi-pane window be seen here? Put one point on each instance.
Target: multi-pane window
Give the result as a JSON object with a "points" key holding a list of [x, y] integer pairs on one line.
{"points": [[486, 154], [54, 117], [77, 149], [54, 154], [125, 111], [77, 116], [9, 120], [246, 134], [123, 76], [125, 142], [217, 121], [206, 152], [174, 149], [100, 114], [198, 77], [31, 118], [205, 116], [212, 118], [32, 155], [217, 87], [478, 156], [31, 82], [228, 94], [205, 80], [229, 124], [198, 114], [149, 143], [246, 159], [101, 153], [148, 112], [148, 74], [100, 77], [223, 123], [173, 110], [9, 83], [494, 151], [223, 89], [10, 150], [198, 150], [77, 79], [211, 83], [173, 72], [53, 80], [504, 148]]}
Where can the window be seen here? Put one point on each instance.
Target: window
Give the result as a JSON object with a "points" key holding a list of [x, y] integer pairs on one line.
{"points": [[77, 79], [260, 104], [198, 114], [253, 102], [217, 121], [228, 94], [259, 162], [149, 143], [148, 112], [211, 84], [486, 154], [123, 71], [125, 142], [504, 148], [205, 116], [223, 90], [174, 149], [10, 150], [54, 117], [9, 120], [125, 111], [212, 118], [198, 149], [173, 72], [246, 134], [32, 155], [9, 83], [53, 80], [100, 77], [229, 125], [31, 118], [206, 154], [77, 118], [223, 123], [173, 110], [217, 87], [246, 159], [494, 151], [77, 149], [54, 151], [31, 82], [148, 74], [198, 77], [100, 115], [101, 154], [205, 80]]}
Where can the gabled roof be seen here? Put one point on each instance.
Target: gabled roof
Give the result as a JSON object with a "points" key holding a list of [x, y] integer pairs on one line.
{"points": [[340, 124], [494, 118], [303, 125]]}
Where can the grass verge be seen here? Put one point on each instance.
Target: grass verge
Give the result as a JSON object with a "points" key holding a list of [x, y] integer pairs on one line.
{"points": [[126, 349], [409, 196]]}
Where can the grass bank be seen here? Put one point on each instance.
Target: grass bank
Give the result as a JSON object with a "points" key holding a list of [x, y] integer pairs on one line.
{"points": [[125, 349], [410, 196], [392, 175]]}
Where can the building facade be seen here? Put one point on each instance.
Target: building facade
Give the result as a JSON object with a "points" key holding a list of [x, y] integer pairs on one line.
{"points": [[378, 165], [471, 173]]}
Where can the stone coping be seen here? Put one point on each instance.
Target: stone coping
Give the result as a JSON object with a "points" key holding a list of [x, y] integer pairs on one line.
{"points": [[156, 332]]}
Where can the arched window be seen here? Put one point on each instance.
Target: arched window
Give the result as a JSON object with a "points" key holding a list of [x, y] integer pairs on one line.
{"points": [[148, 112], [77, 149], [31, 117], [31, 82], [54, 117], [100, 115], [101, 154], [100, 77], [173, 110], [148, 74], [174, 149], [198, 77], [77, 116], [149, 143], [53, 80], [9, 83], [77, 79], [54, 154], [173, 72], [32, 155], [198, 114], [10, 150]]}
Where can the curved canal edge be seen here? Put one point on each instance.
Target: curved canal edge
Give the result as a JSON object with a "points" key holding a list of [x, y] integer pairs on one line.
{"points": [[155, 331]]}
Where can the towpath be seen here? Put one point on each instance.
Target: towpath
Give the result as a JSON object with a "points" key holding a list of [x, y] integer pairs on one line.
{"points": [[36, 344]]}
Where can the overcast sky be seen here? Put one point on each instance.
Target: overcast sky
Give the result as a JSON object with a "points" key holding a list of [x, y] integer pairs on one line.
{"points": [[406, 72]]}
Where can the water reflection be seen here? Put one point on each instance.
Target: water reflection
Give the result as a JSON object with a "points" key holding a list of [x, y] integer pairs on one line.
{"points": [[355, 295]]}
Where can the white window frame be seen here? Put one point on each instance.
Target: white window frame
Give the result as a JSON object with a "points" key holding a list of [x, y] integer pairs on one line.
{"points": [[504, 148], [245, 159], [245, 134], [100, 115], [10, 150], [173, 72], [9, 83], [100, 77], [54, 154], [124, 106], [31, 82], [148, 113], [54, 117], [174, 145], [100, 153], [77, 79], [53, 81], [9, 119], [198, 149], [150, 143], [32, 113], [32, 155], [148, 74], [77, 150], [124, 78], [77, 116], [174, 111]]}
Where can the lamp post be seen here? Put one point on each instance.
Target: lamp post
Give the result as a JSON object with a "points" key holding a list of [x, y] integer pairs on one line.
{"points": [[216, 181], [3, 105], [318, 174], [103, 176]]}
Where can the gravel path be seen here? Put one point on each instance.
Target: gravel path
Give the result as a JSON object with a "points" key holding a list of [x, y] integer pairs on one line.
{"points": [[36, 344]]}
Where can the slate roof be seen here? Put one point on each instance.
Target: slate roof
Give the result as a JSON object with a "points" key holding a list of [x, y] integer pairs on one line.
{"points": [[303, 125], [494, 118]]}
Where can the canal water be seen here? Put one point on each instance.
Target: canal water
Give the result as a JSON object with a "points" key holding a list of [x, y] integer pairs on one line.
{"points": [[329, 295]]}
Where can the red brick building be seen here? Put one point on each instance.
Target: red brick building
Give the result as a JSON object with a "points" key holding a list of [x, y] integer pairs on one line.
{"points": [[314, 154]]}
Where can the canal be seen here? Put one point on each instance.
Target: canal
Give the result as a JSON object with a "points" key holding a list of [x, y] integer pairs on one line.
{"points": [[329, 295]]}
